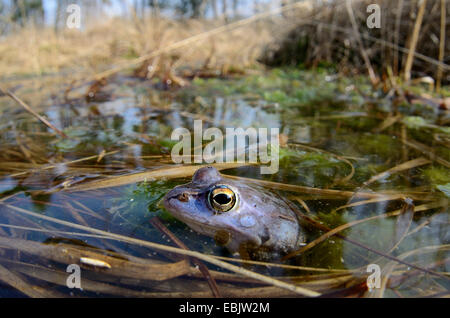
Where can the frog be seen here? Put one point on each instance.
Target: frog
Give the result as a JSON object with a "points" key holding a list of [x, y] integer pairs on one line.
{"points": [[243, 217]]}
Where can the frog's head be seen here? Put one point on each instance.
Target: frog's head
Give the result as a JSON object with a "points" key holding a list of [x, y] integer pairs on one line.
{"points": [[235, 213], [212, 205]]}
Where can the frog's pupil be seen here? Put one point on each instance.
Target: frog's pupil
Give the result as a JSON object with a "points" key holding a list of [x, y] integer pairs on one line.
{"points": [[222, 198]]}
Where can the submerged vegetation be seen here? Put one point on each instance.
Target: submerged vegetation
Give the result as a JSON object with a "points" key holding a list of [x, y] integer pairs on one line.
{"points": [[331, 154], [85, 160]]}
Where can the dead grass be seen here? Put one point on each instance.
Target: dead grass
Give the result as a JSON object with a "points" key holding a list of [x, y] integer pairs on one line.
{"points": [[40, 51]]}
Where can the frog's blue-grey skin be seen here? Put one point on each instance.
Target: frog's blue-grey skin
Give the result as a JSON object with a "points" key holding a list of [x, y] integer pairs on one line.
{"points": [[258, 218]]}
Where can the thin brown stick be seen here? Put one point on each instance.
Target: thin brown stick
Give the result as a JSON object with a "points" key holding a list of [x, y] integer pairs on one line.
{"points": [[202, 267], [398, 16], [329, 193], [428, 151], [166, 172], [18, 283], [30, 110], [47, 167], [441, 47], [401, 167], [414, 39], [373, 77], [369, 201]]}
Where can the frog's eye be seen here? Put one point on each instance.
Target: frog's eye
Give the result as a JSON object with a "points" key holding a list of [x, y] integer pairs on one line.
{"points": [[222, 198]]}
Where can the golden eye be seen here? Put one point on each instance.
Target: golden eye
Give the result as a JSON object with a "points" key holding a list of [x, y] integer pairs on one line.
{"points": [[222, 198]]}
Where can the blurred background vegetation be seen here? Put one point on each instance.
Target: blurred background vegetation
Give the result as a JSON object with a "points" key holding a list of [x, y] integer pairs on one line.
{"points": [[410, 42]]}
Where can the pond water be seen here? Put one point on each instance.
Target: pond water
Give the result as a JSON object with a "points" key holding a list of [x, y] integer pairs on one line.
{"points": [[338, 136]]}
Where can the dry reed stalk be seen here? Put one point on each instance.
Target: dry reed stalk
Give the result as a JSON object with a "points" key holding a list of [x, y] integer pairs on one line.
{"points": [[51, 166], [18, 283], [204, 257], [389, 121], [167, 172], [31, 111], [398, 16], [60, 278], [203, 269], [67, 254], [415, 37], [372, 75], [402, 225], [303, 204], [62, 206], [295, 267], [398, 168], [441, 46], [329, 193], [364, 202], [427, 151], [44, 230]]}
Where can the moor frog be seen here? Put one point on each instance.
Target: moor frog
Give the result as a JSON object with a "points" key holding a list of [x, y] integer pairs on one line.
{"points": [[240, 216]]}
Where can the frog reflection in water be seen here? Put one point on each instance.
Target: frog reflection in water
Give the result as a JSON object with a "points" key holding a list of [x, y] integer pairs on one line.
{"points": [[243, 218]]}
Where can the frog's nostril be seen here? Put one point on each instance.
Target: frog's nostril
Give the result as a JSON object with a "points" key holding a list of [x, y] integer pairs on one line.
{"points": [[183, 197]]}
